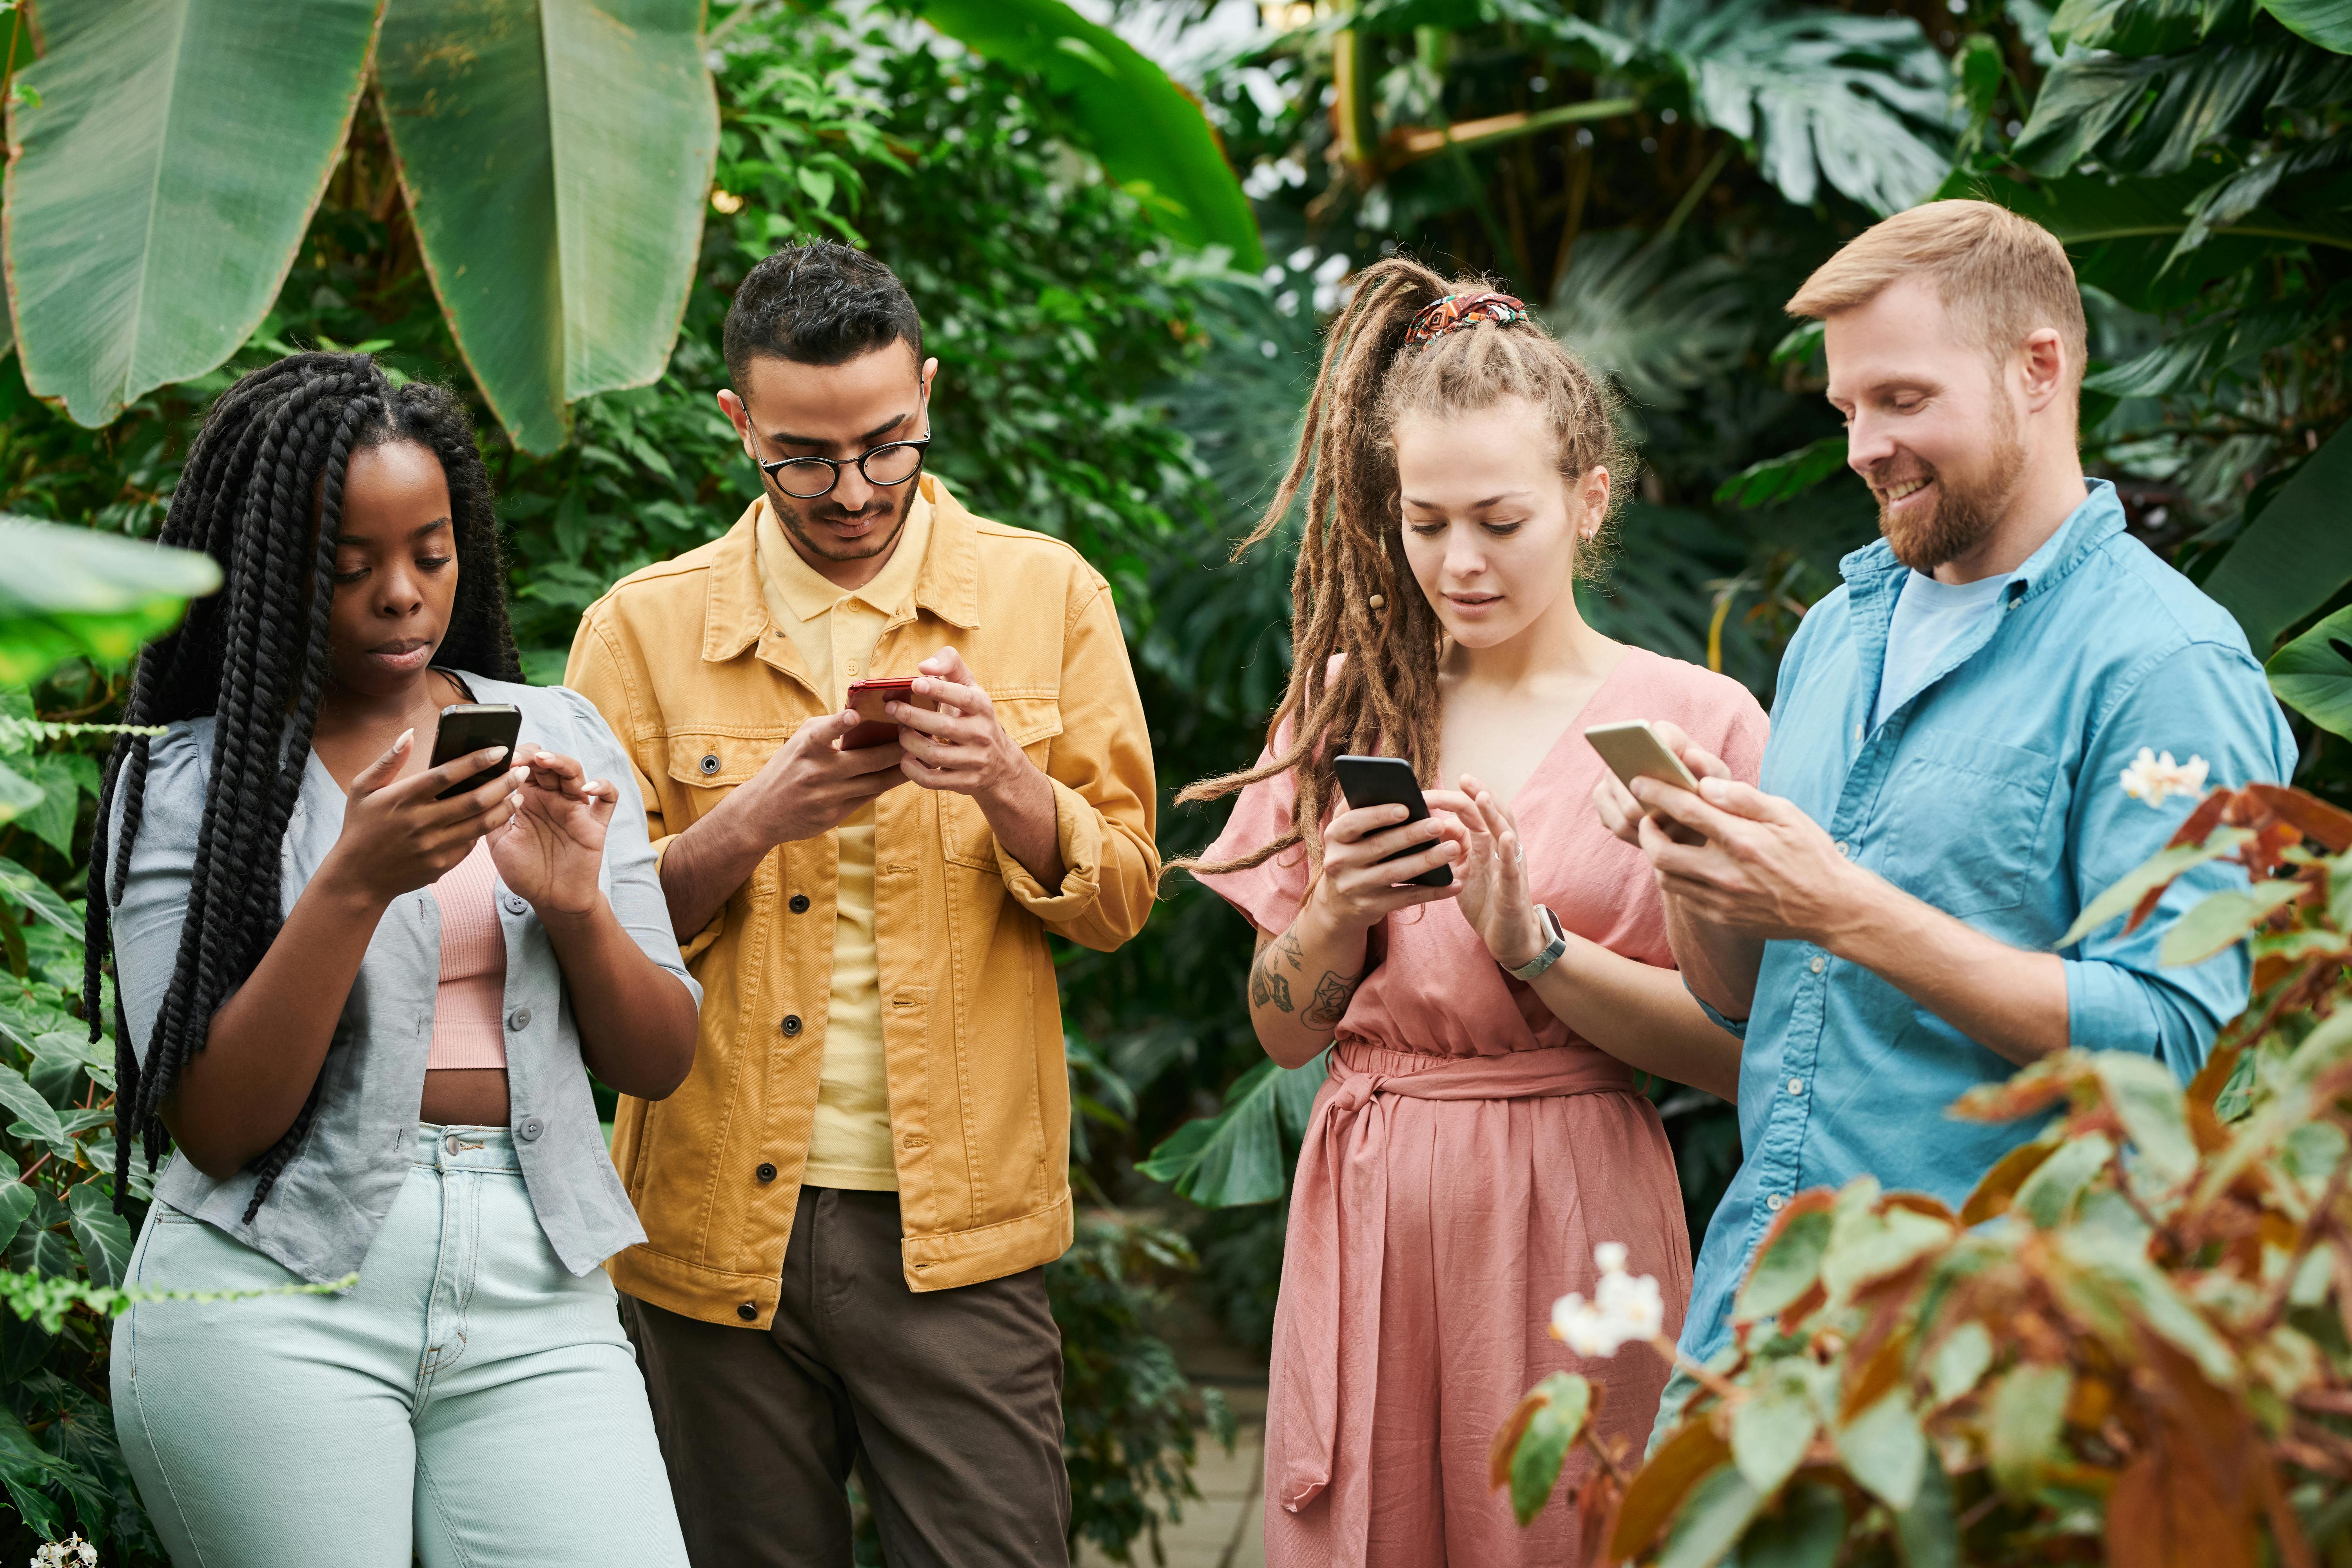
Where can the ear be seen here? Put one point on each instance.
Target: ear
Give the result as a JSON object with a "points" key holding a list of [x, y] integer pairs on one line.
{"points": [[1594, 494], [931, 369], [738, 416], [2044, 374]]}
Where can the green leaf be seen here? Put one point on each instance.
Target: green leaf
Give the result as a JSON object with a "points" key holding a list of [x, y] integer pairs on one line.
{"points": [[1925, 1535], [41, 1248], [2221, 921], [2313, 674], [556, 158], [52, 822], [15, 1202], [1959, 1362], [2049, 1194], [1805, 1533], [1784, 478], [1770, 1430], [1239, 1155], [2147, 1100], [1884, 1451], [2293, 556], [70, 591], [18, 795], [2023, 1421], [1713, 1518], [1787, 1269], [105, 1239], [149, 225], [2327, 23], [1871, 1244], [1661, 333], [19, 886], [1543, 1448], [31, 1108], [1150, 133], [25, 1467], [2154, 872]]}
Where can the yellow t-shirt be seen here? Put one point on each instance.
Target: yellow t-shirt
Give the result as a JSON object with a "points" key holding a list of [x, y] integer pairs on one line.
{"points": [[834, 630]]}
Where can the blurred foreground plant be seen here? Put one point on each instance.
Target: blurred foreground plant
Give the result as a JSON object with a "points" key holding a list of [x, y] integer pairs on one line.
{"points": [[2134, 1343]]}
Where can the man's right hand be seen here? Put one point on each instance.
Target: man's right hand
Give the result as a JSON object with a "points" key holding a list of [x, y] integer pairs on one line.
{"points": [[811, 785], [1621, 813]]}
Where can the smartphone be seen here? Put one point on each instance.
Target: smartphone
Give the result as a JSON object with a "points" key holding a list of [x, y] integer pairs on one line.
{"points": [[1634, 751], [876, 728], [468, 727], [1389, 780]]}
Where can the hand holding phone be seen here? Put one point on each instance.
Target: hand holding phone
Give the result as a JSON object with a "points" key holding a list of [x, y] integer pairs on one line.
{"points": [[1389, 780], [470, 727], [1634, 749], [868, 700]]}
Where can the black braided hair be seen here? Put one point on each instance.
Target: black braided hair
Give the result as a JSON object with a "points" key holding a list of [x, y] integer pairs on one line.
{"points": [[262, 494]]}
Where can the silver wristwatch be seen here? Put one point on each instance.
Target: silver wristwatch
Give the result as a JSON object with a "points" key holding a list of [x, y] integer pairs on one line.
{"points": [[1553, 948]]}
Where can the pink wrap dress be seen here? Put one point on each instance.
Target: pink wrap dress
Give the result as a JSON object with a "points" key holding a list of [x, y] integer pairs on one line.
{"points": [[1464, 1156]]}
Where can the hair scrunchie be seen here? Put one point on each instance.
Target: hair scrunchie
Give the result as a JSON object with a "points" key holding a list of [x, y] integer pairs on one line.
{"points": [[1442, 316]]}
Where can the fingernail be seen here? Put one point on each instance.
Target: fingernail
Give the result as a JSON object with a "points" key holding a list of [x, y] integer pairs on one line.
{"points": [[405, 736]]}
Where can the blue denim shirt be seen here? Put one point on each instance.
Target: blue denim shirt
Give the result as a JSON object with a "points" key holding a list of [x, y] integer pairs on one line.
{"points": [[333, 1194], [1993, 794]]}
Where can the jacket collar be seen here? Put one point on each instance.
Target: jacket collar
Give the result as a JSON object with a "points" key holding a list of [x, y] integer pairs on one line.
{"points": [[734, 615]]}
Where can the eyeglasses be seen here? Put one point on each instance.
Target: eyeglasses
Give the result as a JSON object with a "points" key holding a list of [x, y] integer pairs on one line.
{"points": [[891, 464]]}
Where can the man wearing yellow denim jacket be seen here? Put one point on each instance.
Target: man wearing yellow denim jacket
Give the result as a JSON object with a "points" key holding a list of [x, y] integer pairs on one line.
{"points": [[850, 1204]]}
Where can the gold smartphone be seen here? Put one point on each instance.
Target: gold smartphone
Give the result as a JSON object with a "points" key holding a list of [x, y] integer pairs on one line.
{"points": [[1634, 751]]}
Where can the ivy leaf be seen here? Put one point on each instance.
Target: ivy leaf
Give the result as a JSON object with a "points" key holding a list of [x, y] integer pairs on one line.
{"points": [[105, 1237]]}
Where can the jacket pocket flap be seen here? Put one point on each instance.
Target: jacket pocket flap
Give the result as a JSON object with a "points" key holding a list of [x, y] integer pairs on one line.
{"points": [[1028, 719], [715, 760]]}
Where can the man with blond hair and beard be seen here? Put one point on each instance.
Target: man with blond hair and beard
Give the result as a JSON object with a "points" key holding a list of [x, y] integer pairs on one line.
{"points": [[1960, 759]]}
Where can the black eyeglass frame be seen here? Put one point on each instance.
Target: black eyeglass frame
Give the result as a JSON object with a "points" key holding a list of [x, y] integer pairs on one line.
{"points": [[921, 443]]}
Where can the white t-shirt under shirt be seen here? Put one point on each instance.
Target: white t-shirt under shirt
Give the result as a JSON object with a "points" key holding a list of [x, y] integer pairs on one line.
{"points": [[1929, 617]]}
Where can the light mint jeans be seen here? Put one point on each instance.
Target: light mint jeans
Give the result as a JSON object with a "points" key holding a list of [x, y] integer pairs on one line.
{"points": [[470, 1398]]}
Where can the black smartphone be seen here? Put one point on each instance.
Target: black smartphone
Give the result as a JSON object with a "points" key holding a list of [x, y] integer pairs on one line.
{"points": [[469, 727], [1389, 780]]}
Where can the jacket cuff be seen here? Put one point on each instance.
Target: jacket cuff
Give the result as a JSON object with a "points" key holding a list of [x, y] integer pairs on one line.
{"points": [[1078, 834], [689, 947]]}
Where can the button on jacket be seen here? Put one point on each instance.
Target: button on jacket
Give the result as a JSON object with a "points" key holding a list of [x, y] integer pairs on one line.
{"points": [[333, 1194], [702, 689], [1993, 793]]}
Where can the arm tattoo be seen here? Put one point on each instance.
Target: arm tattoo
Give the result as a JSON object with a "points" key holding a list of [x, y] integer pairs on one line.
{"points": [[1270, 987]]}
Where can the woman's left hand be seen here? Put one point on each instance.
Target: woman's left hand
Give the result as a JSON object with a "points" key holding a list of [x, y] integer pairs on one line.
{"points": [[1494, 872], [550, 852]]}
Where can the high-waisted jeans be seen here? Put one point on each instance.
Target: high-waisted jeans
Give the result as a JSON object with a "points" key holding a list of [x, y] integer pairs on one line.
{"points": [[470, 1399]]}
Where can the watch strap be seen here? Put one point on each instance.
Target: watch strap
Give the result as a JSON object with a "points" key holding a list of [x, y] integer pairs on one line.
{"points": [[1552, 949]]}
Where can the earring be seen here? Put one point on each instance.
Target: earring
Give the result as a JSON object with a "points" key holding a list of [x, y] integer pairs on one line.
{"points": [[1375, 601]]}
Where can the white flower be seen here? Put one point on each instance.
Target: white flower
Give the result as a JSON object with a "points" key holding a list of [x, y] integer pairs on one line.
{"points": [[1623, 1308], [68, 1554], [2151, 777]]}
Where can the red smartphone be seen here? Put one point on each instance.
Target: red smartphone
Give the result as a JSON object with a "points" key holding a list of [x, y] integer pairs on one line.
{"points": [[865, 699]]}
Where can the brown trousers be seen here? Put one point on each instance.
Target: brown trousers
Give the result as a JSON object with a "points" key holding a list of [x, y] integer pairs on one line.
{"points": [[948, 1404]]}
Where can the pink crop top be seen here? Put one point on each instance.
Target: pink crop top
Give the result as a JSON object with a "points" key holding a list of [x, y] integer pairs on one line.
{"points": [[467, 1026]]}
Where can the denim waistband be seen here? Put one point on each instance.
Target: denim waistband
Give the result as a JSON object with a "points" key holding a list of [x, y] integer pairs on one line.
{"points": [[485, 1149]]}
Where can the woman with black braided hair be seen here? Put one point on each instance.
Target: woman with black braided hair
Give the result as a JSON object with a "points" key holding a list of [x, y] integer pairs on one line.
{"points": [[364, 1012]]}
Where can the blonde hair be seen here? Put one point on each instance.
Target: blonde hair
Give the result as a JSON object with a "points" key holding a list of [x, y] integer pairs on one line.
{"points": [[2002, 277], [1353, 593]]}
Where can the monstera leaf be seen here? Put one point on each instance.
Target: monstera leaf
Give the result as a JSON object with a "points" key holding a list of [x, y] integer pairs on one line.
{"points": [[1149, 132], [2313, 674], [557, 157], [165, 156]]}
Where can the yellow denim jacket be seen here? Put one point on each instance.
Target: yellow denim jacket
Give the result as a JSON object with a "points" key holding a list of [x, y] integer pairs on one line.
{"points": [[701, 690]]}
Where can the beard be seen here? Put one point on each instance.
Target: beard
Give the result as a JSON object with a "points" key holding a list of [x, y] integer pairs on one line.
{"points": [[1967, 508], [802, 519]]}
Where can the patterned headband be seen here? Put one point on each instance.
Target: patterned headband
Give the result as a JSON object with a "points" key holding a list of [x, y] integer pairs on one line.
{"points": [[1441, 317]]}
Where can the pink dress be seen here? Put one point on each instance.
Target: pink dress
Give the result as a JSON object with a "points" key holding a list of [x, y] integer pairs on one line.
{"points": [[1463, 1158]]}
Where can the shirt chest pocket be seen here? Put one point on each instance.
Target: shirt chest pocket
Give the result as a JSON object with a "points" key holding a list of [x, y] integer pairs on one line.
{"points": [[1967, 821], [1032, 721]]}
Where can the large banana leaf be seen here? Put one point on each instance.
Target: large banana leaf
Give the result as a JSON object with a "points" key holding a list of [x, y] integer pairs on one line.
{"points": [[1241, 1154], [163, 164], [1148, 132], [556, 156], [70, 591], [2295, 553]]}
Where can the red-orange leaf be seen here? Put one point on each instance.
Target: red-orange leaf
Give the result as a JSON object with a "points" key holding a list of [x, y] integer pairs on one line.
{"points": [[1652, 1497], [2332, 826], [2001, 1183]]}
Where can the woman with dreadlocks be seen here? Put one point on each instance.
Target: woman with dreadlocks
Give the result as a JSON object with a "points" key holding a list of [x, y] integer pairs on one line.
{"points": [[1481, 1130], [364, 1012]]}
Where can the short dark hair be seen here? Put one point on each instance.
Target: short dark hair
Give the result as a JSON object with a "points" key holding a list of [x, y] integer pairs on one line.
{"points": [[819, 304]]}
